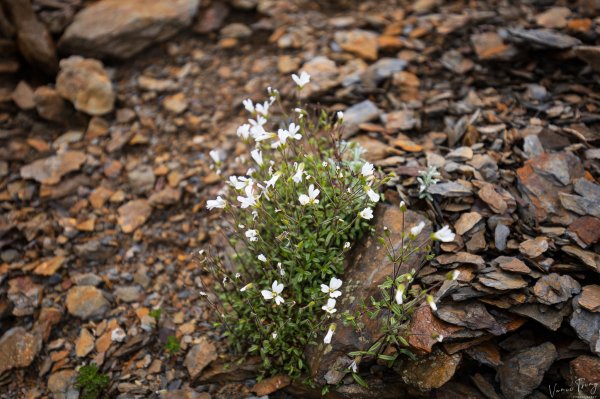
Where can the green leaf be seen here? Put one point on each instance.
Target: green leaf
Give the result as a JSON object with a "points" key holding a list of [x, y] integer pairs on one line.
{"points": [[359, 380]]}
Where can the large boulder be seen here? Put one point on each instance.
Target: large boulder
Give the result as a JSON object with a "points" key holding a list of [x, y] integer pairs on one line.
{"points": [[122, 28], [367, 269]]}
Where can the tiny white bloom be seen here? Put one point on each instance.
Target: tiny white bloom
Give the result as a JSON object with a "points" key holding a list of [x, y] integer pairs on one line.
{"points": [[216, 156], [281, 271], [340, 115], [402, 206], [239, 182], [444, 234], [263, 108], [203, 293], [246, 287], [399, 294], [311, 198], [238, 275], [347, 245], [249, 199], [354, 366], [252, 235], [330, 307], [274, 335], [367, 169], [325, 164], [439, 337], [373, 196], [431, 303], [262, 258], [297, 178], [416, 230], [248, 105], [276, 289], [454, 275], [331, 289], [243, 131], [216, 203], [329, 335], [301, 80], [257, 156], [271, 182], [366, 214]]}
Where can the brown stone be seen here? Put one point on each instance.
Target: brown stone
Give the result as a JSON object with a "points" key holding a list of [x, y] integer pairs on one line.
{"points": [[586, 368], [489, 46], [95, 32], [200, 356], [23, 96], [134, 214], [511, 264], [25, 295], [86, 84], [50, 105], [534, 247], [18, 348], [429, 372], [466, 222], [272, 384], [554, 288], [590, 298], [50, 266], [51, 170], [587, 229], [86, 302], [360, 42], [85, 343], [424, 327]]}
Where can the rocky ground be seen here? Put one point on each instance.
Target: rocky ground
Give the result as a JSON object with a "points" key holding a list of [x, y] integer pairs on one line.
{"points": [[105, 128]]}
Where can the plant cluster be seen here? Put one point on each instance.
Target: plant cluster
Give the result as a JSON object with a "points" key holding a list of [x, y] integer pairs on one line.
{"points": [[91, 382], [305, 197]]}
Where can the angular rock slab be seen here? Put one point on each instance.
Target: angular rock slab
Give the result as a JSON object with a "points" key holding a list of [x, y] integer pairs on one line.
{"points": [[18, 348], [520, 374], [123, 28], [542, 180], [368, 267]]}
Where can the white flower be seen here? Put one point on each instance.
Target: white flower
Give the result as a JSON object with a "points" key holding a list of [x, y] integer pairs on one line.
{"points": [[216, 203], [271, 182], [248, 105], [252, 235], [302, 80], [399, 294], [444, 234], [431, 302], [453, 275], [347, 245], [331, 289], [276, 289], [330, 307], [402, 206], [330, 331], [263, 108], [340, 115], [354, 366], [416, 230], [239, 182], [311, 198], [439, 338], [216, 156], [373, 196], [367, 169], [243, 131], [283, 135], [274, 335], [281, 271], [262, 258], [257, 156], [246, 287], [297, 178], [249, 199], [366, 213]]}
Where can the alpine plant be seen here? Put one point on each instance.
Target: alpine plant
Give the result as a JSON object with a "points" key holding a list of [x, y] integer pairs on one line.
{"points": [[305, 197]]}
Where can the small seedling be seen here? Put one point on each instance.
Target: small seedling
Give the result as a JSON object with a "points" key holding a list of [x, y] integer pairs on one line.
{"points": [[172, 345], [155, 313], [91, 382]]}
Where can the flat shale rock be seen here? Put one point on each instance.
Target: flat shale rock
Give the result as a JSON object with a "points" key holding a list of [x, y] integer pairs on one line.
{"points": [[123, 28], [542, 180], [368, 269], [85, 83], [200, 356], [544, 38], [359, 42], [511, 264], [472, 315], [18, 348], [25, 295], [85, 343], [534, 247], [587, 368], [62, 384], [51, 170], [523, 372], [589, 54], [50, 105], [590, 298], [87, 302], [554, 288], [548, 316], [586, 325], [502, 280], [134, 214], [586, 229], [431, 371], [424, 326]]}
